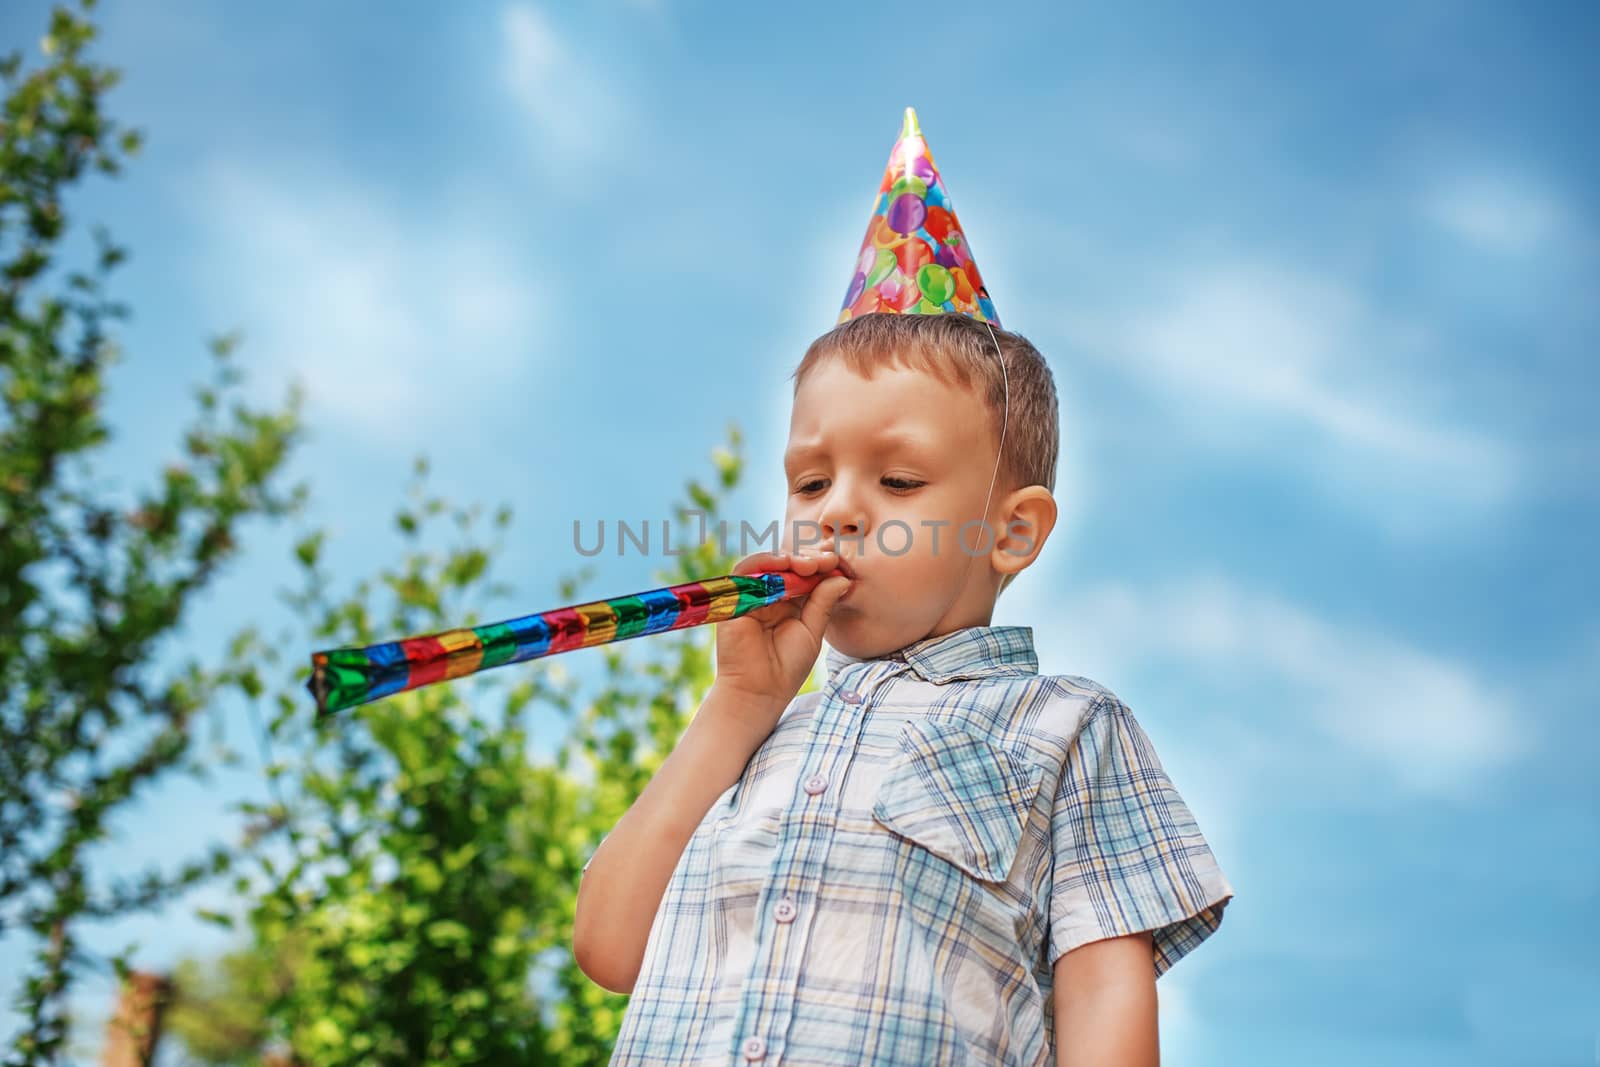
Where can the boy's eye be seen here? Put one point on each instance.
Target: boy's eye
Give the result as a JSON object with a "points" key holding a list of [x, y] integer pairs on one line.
{"points": [[898, 484]]}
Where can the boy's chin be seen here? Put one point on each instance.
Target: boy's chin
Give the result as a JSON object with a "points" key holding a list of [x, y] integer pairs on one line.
{"points": [[847, 631], [855, 634]]}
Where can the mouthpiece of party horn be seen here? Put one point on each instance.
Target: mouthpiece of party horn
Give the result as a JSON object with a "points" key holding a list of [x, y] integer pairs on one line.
{"points": [[345, 677]]}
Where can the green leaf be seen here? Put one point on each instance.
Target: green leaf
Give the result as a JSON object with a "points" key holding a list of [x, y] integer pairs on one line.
{"points": [[447, 932], [308, 548]]}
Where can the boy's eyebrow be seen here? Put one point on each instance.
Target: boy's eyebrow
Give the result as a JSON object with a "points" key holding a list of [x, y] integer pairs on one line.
{"points": [[905, 438]]}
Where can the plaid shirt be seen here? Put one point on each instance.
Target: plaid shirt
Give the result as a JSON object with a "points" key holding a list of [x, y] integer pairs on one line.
{"points": [[903, 860]]}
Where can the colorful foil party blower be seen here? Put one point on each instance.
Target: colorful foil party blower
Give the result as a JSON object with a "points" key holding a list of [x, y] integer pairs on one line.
{"points": [[344, 677]]}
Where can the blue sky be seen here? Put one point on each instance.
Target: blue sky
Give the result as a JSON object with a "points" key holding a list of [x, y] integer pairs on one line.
{"points": [[1317, 289]]}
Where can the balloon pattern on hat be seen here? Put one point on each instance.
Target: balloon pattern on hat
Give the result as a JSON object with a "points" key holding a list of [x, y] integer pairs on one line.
{"points": [[914, 259]]}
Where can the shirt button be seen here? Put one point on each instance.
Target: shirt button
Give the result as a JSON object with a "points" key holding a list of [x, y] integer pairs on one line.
{"points": [[754, 1048], [850, 696], [816, 784], [785, 911]]}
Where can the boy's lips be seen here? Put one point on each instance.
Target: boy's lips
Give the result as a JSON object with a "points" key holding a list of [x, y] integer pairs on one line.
{"points": [[847, 569]]}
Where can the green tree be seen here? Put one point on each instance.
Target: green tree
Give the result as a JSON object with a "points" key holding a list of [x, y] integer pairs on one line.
{"points": [[93, 706], [429, 860], [218, 1015]]}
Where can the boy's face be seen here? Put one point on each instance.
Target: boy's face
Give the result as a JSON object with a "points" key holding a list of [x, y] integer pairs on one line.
{"points": [[880, 463]]}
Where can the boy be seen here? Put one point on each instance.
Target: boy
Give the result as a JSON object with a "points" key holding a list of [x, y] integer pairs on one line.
{"points": [[941, 857]]}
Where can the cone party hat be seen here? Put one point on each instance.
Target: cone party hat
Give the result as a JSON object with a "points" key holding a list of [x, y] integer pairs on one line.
{"points": [[914, 259]]}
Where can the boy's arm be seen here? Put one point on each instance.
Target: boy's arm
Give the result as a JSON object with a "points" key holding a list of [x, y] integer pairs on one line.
{"points": [[1105, 994], [628, 874]]}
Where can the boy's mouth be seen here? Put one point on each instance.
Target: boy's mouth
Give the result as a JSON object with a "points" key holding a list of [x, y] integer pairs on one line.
{"points": [[848, 570]]}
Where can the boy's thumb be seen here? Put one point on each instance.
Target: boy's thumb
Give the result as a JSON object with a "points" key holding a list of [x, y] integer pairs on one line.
{"points": [[820, 602]]}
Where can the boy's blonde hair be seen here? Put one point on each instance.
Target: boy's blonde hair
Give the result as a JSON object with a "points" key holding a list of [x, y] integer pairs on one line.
{"points": [[957, 350]]}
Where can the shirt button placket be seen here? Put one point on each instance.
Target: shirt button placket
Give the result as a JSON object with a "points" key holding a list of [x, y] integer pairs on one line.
{"points": [[785, 910]]}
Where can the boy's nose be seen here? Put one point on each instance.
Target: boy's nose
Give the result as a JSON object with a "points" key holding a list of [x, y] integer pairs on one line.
{"points": [[840, 522]]}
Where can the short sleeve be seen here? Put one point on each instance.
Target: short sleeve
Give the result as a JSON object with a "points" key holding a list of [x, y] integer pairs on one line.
{"points": [[1128, 856]]}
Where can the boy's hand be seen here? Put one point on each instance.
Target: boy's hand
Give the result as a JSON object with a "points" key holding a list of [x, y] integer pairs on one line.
{"points": [[764, 657]]}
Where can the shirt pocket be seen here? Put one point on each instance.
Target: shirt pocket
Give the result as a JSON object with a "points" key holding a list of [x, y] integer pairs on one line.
{"points": [[958, 795]]}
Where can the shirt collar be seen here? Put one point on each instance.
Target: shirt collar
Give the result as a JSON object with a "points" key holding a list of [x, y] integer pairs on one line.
{"points": [[971, 652]]}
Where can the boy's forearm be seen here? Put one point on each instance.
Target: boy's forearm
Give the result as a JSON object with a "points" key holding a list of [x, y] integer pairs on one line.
{"points": [[628, 874]]}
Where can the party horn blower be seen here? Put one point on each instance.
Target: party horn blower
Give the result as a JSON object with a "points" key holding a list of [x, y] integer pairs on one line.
{"points": [[345, 677]]}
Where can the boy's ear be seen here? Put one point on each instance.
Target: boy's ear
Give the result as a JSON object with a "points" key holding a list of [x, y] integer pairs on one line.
{"points": [[1027, 516]]}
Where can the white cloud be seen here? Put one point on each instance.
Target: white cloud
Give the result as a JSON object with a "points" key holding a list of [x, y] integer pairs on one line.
{"points": [[1273, 362], [392, 320], [1426, 722], [575, 110], [1497, 212]]}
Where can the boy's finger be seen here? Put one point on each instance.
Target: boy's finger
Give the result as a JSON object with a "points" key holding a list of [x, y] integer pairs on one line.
{"points": [[763, 561], [819, 604], [815, 563]]}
